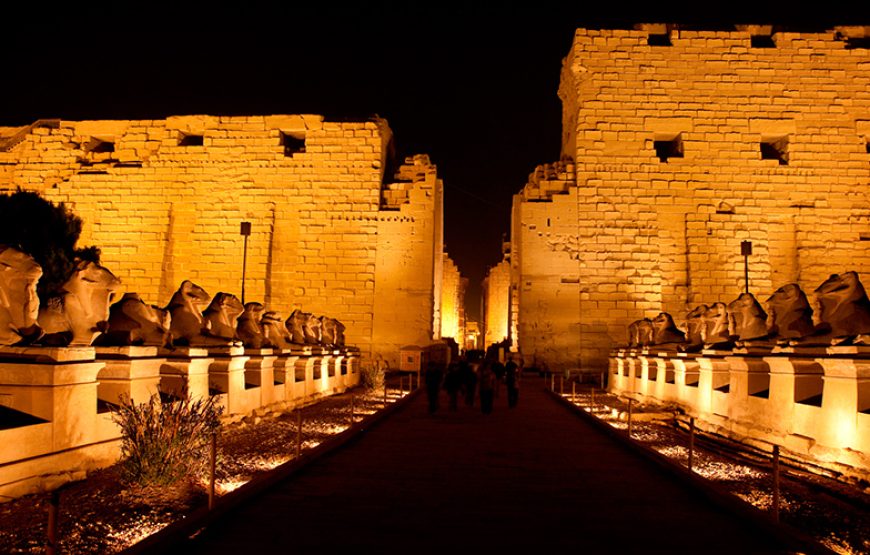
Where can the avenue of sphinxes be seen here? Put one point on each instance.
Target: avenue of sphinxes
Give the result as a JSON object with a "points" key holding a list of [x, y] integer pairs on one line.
{"points": [[337, 226], [677, 146]]}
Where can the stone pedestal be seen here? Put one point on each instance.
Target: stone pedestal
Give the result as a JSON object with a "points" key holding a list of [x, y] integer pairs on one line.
{"points": [[184, 372], [260, 373], [327, 374], [846, 402], [284, 370], [714, 386], [226, 375], [57, 385], [132, 371], [687, 375], [751, 408]]}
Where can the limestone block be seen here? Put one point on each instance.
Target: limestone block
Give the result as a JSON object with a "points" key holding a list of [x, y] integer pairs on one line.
{"points": [[132, 372]]}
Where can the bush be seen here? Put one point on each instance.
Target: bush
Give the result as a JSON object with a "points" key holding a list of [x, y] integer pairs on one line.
{"points": [[373, 376], [46, 231], [165, 442]]}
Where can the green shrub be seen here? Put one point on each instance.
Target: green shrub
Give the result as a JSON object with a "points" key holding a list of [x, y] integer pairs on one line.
{"points": [[165, 442], [46, 231]]}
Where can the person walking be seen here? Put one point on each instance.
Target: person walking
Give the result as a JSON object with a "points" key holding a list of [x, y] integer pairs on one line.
{"points": [[498, 371], [469, 380], [452, 383], [486, 384]]}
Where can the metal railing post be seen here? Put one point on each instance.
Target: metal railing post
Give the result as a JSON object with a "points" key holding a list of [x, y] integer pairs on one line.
{"points": [[53, 513], [775, 507], [691, 443], [298, 432], [212, 463]]}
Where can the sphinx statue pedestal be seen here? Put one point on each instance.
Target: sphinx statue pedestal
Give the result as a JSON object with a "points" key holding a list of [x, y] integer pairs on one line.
{"points": [[184, 372], [54, 391], [130, 371], [284, 372], [58, 385], [226, 377], [260, 374], [845, 412]]}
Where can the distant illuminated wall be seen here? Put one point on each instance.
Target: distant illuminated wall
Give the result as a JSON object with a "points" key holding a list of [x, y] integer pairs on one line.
{"points": [[496, 303], [452, 298], [163, 200], [409, 260], [674, 154]]}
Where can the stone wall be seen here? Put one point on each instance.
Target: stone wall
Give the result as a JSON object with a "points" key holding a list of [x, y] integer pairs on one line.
{"points": [[674, 155], [163, 199], [409, 260], [452, 302], [496, 303]]}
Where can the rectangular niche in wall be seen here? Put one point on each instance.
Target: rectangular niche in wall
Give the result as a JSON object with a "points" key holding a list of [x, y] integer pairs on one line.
{"points": [[190, 139], [762, 41], [775, 148], [293, 142], [659, 39], [99, 145], [668, 146]]}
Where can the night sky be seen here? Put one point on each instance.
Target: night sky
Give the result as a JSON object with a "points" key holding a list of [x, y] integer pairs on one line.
{"points": [[474, 88]]}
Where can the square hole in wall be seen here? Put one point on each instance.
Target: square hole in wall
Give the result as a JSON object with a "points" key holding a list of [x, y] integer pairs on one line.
{"points": [[857, 42], [190, 139], [668, 146], [98, 145], [762, 41], [659, 39], [775, 148], [293, 142]]}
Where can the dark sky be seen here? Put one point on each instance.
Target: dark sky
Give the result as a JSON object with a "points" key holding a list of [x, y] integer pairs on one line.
{"points": [[474, 88]]}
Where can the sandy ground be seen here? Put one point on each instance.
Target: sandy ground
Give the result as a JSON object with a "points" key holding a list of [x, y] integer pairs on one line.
{"points": [[102, 515]]}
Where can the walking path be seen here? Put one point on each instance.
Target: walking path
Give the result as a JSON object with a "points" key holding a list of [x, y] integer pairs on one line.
{"points": [[533, 477]]}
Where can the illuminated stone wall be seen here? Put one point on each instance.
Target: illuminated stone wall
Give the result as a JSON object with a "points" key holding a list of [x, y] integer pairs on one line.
{"points": [[768, 144], [452, 302], [409, 259], [496, 303], [163, 200]]}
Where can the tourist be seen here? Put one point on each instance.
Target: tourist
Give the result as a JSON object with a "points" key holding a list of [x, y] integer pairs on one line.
{"points": [[433, 384], [452, 383], [498, 371], [486, 382], [469, 380]]}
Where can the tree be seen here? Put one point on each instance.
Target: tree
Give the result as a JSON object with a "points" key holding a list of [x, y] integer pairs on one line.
{"points": [[46, 231]]}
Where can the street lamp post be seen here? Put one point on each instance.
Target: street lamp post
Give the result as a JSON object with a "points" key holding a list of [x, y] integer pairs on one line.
{"points": [[245, 231], [746, 251]]}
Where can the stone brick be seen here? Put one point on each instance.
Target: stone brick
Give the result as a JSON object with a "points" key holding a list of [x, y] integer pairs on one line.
{"points": [[724, 98], [176, 214]]}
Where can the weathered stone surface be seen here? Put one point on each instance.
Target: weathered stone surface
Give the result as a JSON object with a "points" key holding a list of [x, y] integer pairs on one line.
{"points": [[747, 320], [80, 314], [327, 224], [612, 232], [844, 307], [790, 312], [133, 322], [19, 305]]}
